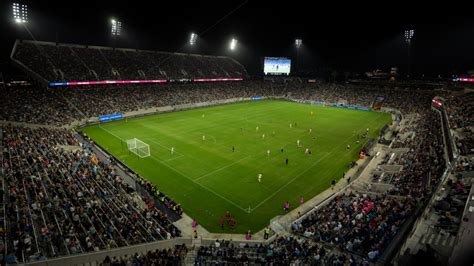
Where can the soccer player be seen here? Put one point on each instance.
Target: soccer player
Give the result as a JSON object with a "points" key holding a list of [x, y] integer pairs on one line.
{"points": [[298, 143], [333, 184], [281, 149], [256, 129], [286, 161], [291, 125], [227, 216], [310, 130], [232, 223], [286, 207], [348, 147], [172, 150], [222, 222], [259, 178], [233, 148], [312, 113], [203, 137], [306, 151], [263, 136], [268, 152]]}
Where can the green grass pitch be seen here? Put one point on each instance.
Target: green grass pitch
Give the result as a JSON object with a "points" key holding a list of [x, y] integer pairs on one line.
{"points": [[208, 178]]}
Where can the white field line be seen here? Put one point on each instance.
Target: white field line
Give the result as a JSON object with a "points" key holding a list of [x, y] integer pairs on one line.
{"points": [[187, 177], [199, 184], [297, 176], [220, 169], [173, 158], [291, 181], [248, 210], [157, 143]]}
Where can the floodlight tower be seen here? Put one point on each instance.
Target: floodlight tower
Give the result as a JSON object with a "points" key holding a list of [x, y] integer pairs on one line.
{"points": [[233, 44], [193, 38], [298, 43], [116, 28], [408, 37], [20, 13]]}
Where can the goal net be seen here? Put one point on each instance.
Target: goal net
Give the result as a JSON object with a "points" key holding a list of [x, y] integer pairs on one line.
{"points": [[138, 147]]}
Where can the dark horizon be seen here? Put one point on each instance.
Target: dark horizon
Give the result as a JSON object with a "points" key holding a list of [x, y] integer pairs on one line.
{"points": [[355, 38]]}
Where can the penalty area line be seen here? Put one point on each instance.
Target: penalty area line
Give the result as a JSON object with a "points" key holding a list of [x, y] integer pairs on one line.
{"points": [[247, 210]]}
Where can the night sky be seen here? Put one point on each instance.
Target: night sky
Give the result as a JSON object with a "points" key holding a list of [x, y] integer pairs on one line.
{"points": [[353, 37]]}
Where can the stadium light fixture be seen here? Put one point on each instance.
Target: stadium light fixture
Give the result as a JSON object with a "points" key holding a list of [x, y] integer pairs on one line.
{"points": [[193, 38], [298, 43], [409, 35], [20, 12], [116, 27], [233, 44]]}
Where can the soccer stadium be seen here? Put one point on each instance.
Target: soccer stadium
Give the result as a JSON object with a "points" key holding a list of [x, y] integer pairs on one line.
{"points": [[119, 147]]}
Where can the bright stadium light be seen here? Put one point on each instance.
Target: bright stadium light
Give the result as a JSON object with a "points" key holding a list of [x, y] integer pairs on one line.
{"points": [[193, 38], [298, 43], [233, 44], [20, 13], [116, 27], [409, 35]]}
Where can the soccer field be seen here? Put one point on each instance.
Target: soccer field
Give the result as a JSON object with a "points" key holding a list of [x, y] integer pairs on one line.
{"points": [[207, 178]]}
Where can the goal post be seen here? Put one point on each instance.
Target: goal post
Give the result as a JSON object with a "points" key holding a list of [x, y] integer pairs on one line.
{"points": [[138, 147]]}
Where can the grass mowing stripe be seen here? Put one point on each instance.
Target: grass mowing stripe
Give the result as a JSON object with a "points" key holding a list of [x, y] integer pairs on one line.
{"points": [[184, 175], [227, 173]]}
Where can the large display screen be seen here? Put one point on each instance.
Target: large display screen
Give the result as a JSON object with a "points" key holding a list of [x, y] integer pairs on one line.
{"points": [[276, 66]]}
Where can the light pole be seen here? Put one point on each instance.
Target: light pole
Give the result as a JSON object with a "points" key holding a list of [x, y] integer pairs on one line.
{"points": [[116, 30], [408, 36], [298, 43]]}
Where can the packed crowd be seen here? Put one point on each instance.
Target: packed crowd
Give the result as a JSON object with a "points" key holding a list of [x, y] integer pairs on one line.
{"points": [[357, 223], [61, 106], [80, 63], [288, 250], [364, 224], [62, 199], [461, 117], [424, 163], [35, 105], [170, 256]]}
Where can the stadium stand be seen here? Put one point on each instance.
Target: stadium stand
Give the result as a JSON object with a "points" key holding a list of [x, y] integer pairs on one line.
{"points": [[64, 62], [62, 198]]}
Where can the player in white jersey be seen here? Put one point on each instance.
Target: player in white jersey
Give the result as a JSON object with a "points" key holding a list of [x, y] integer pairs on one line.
{"points": [[298, 143], [203, 137], [259, 178], [268, 152], [263, 136], [172, 150], [256, 129]]}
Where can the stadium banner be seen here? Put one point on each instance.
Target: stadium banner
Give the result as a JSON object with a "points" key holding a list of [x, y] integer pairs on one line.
{"points": [[141, 81], [352, 107], [104, 118], [333, 105], [256, 98]]}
